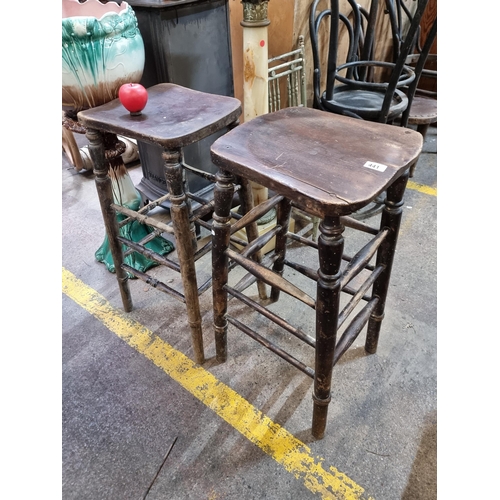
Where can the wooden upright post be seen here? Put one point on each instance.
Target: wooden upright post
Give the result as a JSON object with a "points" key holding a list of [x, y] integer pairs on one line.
{"points": [[255, 69]]}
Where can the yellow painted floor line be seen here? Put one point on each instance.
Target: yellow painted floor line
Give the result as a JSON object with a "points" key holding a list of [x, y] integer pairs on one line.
{"points": [[277, 442], [422, 188]]}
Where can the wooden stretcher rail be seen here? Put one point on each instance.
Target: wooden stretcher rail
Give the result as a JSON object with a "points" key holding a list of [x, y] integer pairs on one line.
{"points": [[358, 296], [361, 259], [146, 209], [151, 236], [150, 254], [267, 276], [260, 242], [353, 330], [272, 347], [272, 316], [249, 279], [203, 250], [304, 270], [143, 219], [301, 239], [201, 173], [356, 224], [256, 213], [154, 283]]}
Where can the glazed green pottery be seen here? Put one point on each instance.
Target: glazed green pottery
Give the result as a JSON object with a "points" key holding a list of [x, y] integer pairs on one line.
{"points": [[102, 49]]}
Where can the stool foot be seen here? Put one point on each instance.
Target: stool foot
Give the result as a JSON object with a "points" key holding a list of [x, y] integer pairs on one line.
{"points": [[125, 294], [320, 415], [373, 334], [221, 343], [197, 340]]}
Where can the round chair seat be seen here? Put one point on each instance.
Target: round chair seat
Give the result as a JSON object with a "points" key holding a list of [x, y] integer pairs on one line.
{"points": [[364, 103], [423, 111]]}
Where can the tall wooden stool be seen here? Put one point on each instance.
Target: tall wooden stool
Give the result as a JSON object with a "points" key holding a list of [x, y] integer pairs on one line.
{"points": [[329, 166], [173, 118]]}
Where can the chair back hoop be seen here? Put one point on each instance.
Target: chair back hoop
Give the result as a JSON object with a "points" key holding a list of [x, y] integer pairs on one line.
{"points": [[406, 77], [356, 51], [397, 10], [419, 71]]}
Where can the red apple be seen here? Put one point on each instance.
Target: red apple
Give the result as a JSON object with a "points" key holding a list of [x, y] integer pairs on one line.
{"points": [[134, 97]]}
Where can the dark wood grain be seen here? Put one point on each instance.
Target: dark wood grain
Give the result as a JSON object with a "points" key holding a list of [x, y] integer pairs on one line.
{"points": [[174, 116], [319, 158]]}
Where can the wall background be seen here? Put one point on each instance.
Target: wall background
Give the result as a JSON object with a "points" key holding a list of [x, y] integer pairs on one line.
{"points": [[290, 19]]}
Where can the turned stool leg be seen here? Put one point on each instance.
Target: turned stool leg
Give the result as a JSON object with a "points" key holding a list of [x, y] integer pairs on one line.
{"points": [[391, 218], [185, 237], [221, 231], [252, 230], [330, 248], [283, 220], [105, 194]]}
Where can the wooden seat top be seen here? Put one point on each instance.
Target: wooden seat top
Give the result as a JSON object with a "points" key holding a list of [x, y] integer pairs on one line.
{"points": [[327, 163], [174, 116], [423, 111]]}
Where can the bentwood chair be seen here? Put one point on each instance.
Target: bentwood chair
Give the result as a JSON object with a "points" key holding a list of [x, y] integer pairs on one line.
{"points": [[421, 111], [357, 83], [422, 93]]}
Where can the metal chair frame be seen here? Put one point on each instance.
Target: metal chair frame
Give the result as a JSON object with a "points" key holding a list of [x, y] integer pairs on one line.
{"points": [[293, 69]]}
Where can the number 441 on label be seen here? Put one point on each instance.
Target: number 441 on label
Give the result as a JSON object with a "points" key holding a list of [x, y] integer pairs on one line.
{"points": [[375, 166]]}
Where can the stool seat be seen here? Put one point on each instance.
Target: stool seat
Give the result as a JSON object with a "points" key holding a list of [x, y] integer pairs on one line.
{"points": [[423, 111], [326, 165], [174, 116]]}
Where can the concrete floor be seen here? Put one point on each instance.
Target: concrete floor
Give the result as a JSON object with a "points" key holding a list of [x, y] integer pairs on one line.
{"points": [[141, 421]]}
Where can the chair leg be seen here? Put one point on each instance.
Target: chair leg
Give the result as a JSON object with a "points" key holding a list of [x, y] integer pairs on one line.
{"points": [[221, 231], [105, 194], [185, 237], [330, 248], [423, 128], [391, 219]]}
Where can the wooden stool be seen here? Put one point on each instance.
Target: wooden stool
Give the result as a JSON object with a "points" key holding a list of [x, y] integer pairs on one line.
{"points": [[329, 166], [173, 118]]}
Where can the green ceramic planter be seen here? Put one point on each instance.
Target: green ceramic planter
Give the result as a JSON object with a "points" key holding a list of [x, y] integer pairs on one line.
{"points": [[102, 49]]}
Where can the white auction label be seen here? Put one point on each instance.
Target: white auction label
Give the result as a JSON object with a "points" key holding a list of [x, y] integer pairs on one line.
{"points": [[375, 166]]}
